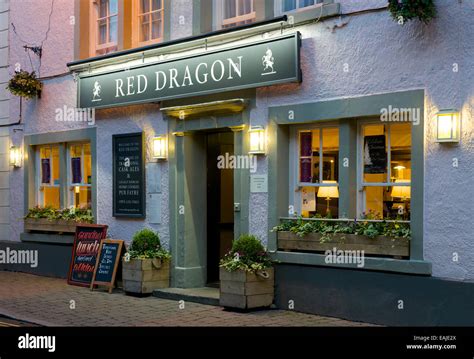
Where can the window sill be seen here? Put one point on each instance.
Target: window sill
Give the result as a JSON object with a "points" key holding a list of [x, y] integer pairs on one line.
{"points": [[374, 264], [321, 12]]}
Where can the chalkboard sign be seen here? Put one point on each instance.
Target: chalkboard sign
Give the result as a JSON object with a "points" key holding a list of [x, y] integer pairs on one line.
{"points": [[375, 155], [107, 262], [84, 253], [128, 175]]}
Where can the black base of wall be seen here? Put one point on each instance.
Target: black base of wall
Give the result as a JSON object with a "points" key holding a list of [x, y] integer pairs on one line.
{"points": [[53, 259], [375, 297]]}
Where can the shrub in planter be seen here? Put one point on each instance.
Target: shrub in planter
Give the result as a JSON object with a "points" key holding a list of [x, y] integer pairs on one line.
{"points": [[406, 10], [25, 84], [146, 265], [246, 275]]}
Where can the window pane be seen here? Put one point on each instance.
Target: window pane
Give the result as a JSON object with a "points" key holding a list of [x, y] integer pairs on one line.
{"points": [[374, 153], [51, 197], [102, 31], [145, 6], [156, 4], [230, 8], [388, 202], [319, 201], [309, 156], [330, 154], [145, 28], [400, 144], [113, 7], [82, 196], [103, 8], [156, 25], [55, 159], [304, 3], [289, 5], [245, 7], [87, 164], [113, 29]]}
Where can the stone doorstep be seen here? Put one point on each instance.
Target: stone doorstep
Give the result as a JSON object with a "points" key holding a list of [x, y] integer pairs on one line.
{"points": [[204, 295]]}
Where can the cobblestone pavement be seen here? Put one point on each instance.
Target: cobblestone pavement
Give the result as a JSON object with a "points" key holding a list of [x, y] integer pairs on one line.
{"points": [[47, 301]]}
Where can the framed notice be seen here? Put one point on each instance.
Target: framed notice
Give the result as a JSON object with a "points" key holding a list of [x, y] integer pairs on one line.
{"points": [[107, 262], [84, 253], [128, 175], [375, 155]]}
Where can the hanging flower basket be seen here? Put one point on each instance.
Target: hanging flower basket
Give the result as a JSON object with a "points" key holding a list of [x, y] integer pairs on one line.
{"points": [[405, 10], [25, 84]]}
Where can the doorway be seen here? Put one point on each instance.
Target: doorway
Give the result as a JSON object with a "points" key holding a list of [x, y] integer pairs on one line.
{"points": [[220, 202]]}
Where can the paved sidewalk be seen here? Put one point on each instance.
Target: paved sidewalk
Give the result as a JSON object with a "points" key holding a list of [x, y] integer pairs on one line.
{"points": [[47, 301]]}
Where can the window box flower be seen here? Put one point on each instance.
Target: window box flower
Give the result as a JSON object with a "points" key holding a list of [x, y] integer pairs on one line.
{"points": [[48, 219], [146, 265], [246, 275]]}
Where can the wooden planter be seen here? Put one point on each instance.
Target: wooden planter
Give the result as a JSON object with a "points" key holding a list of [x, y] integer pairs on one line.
{"points": [[45, 225], [385, 246], [144, 275], [243, 290]]}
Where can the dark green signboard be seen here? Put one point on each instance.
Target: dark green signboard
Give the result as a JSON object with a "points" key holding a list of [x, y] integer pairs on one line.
{"points": [[264, 63], [128, 175]]}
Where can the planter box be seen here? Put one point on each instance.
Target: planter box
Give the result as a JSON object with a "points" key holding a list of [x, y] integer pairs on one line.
{"points": [[386, 246], [243, 290], [45, 225], [144, 275]]}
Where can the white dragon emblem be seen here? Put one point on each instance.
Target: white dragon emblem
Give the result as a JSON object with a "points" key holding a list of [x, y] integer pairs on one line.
{"points": [[268, 61], [96, 91]]}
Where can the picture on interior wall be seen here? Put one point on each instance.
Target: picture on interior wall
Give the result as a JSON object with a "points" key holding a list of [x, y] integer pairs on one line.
{"points": [[375, 154]]}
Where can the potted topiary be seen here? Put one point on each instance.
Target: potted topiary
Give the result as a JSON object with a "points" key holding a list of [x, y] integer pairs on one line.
{"points": [[25, 84], [246, 275], [146, 265]]}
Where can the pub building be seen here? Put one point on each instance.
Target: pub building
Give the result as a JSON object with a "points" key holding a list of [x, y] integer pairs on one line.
{"points": [[318, 107]]}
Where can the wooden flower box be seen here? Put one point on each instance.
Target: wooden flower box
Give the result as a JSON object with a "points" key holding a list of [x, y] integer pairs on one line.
{"points": [[380, 245], [244, 290], [142, 276], [46, 225]]}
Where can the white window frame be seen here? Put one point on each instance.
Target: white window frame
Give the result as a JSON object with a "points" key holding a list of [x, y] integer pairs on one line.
{"points": [[71, 186], [294, 171], [221, 23], [361, 198], [94, 31], [39, 174], [279, 7], [136, 23]]}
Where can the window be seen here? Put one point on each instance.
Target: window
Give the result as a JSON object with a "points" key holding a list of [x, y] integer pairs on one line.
{"points": [[317, 171], [295, 5], [385, 167], [48, 179], [105, 22], [148, 15], [79, 175], [236, 12]]}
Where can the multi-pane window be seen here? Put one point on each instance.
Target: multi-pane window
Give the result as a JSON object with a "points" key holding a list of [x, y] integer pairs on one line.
{"points": [[106, 25], [48, 178], [150, 20], [386, 170], [80, 175], [237, 12], [293, 5], [318, 164]]}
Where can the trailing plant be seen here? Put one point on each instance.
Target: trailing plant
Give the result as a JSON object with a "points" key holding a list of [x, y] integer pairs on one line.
{"points": [[405, 10], [247, 254], [25, 84], [146, 244], [364, 227], [79, 215]]}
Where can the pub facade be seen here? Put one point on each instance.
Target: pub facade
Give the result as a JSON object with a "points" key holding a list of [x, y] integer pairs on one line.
{"points": [[320, 108]]}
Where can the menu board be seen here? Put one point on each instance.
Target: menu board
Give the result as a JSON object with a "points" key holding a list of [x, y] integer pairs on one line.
{"points": [[375, 154], [107, 263], [128, 175], [84, 253]]}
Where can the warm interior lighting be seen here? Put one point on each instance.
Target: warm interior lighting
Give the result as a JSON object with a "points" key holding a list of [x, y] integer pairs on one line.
{"points": [[448, 126], [77, 189], [257, 140], [328, 192], [15, 156], [401, 191], [160, 147]]}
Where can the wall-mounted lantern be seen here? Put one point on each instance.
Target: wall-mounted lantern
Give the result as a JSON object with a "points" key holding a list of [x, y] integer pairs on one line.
{"points": [[448, 126], [15, 156], [257, 140], [160, 147]]}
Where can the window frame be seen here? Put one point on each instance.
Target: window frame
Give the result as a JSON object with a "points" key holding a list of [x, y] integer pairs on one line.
{"points": [[69, 184], [94, 30], [361, 197], [279, 7], [39, 193], [136, 29], [222, 23]]}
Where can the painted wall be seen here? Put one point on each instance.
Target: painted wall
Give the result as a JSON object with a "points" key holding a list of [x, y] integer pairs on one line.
{"points": [[380, 55]]}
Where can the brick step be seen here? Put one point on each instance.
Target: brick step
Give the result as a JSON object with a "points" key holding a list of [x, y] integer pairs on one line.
{"points": [[204, 295]]}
